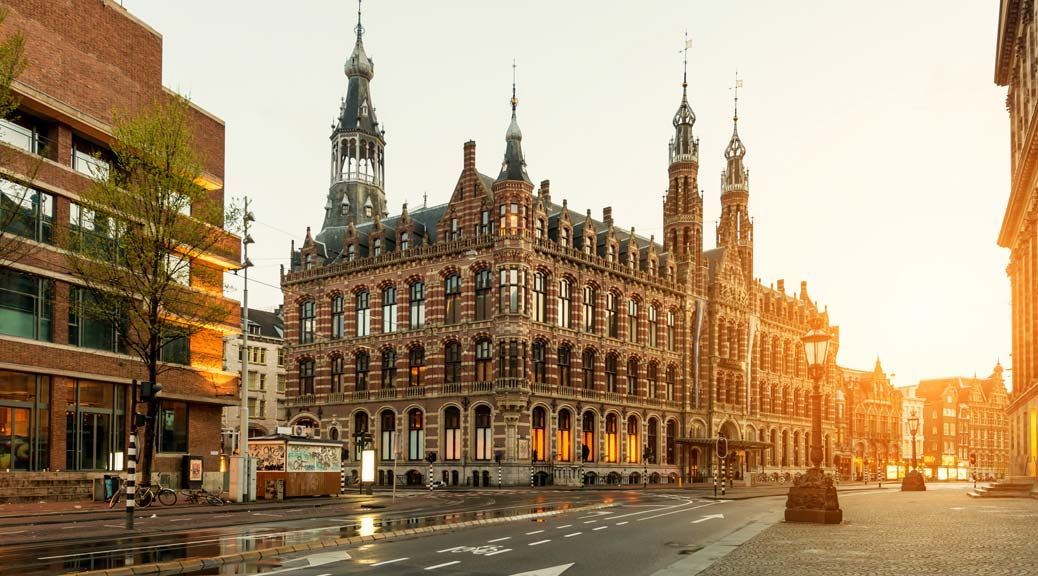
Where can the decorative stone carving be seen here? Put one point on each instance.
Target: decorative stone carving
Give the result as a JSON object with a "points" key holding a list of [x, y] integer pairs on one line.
{"points": [[813, 499]]}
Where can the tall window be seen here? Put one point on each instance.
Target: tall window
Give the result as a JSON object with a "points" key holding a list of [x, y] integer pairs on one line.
{"points": [[484, 284], [670, 383], [538, 228], [509, 364], [351, 252], [338, 318], [632, 376], [509, 223], [94, 422], [565, 303], [610, 372], [652, 378], [652, 439], [565, 436], [363, 313], [563, 236], [389, 309], [455, 232], [307, 315], [538, 441], [589, 308], [588, 365], [26, 212], [25, 420], [173, 429], [633, 444], [416, 366], [89, 330], [363, 362], [483, 361], [405, 240], [415, 435], [306, 377], [377, 250], [610, 253], [484, 433], [654, 325], [564, 372], [452, 433], [672, 433], [539, 362], [612, 440], [337, 371], [452, 299], [540, 297], [452, 363], [587, 429], [361, 425], [612, 315], [388, 368], [387, 427], [670, 330], [484, 222], [632, 320], [416, 317], [511, 291]]}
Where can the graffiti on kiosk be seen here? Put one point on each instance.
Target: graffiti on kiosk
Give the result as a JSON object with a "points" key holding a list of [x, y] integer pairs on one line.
{"points": [[313, 459], [269, 457]]}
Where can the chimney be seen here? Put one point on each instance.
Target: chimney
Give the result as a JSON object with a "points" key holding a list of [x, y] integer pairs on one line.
{"points": [[546, 192], [470, 155], [607, 215], [782, 286]]}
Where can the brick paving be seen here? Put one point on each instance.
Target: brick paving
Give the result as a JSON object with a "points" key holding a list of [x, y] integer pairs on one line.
{"points": [[940, 531]]}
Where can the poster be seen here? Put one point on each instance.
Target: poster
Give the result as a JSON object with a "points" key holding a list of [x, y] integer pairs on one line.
{"points": [[195, 470], [313, 459]]}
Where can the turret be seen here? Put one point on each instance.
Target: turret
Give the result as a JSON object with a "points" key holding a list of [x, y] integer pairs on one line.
{"points": [[735, 229]]}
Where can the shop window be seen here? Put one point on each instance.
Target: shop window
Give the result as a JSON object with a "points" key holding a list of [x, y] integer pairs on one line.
{"points": [[24, 421], [173, 426]]}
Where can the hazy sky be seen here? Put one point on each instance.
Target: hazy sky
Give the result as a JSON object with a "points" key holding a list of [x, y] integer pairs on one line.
{"points": [[877, 140]]}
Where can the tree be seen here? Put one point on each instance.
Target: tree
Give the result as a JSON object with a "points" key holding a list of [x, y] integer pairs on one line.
{"points": [[146, 226], [16, 201]]}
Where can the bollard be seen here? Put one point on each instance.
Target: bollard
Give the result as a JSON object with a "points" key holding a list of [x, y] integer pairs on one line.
{"points": [[724, 475], [131, 477], [531, 476], [430, 477]]}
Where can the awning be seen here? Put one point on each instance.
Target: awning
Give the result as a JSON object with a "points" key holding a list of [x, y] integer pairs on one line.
{"points": [[732, 444]]}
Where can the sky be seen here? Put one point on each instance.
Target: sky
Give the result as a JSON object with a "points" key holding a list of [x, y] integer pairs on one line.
{"points": [[877, 140]]}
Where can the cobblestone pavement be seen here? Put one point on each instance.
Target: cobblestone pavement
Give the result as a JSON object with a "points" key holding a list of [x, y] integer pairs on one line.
{"points": [[940, 531]]}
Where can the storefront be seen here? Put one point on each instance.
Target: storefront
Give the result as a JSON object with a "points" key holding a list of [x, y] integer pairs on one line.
{"points": [[24, 422]]}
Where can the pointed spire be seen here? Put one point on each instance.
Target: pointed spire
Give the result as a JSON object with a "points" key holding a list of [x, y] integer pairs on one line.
{"points": [[684, 147], [359, 64], [735, 146], [514, 165]]}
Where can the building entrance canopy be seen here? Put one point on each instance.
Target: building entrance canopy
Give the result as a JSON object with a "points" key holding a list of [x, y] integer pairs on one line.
{"points": [[732, 444]]}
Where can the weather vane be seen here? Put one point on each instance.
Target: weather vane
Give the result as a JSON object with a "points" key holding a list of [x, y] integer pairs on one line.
{"points": [[735, 88], [359, 28], [684, 76], [515, 101]]}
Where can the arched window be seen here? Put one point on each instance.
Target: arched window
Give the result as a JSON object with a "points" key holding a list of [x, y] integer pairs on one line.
{"points": [[307, 316], [484, 433], [610, 372], [654, 325], [564, 368], [652, 441], [538, 441], [416, 316], [565, 303], [540, 362], [388, 368], [652, 379], [338, 318], [415, 435], [589, 309], [632, 377], [633, 445], [612, 440], [671, 382], [588, 365], [387, 429], [362, 362], [306, 377], [416, 366], [484, 285], [363, 308], [672, 434], [452, 433], [452, 363], [337, 370], [588, 448], [565, 436], [452, 299], [483, 361], [540, 297], [360, 426], [389, 309]]}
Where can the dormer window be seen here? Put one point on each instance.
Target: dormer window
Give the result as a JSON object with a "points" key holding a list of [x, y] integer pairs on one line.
{"points": [[538, 230], [309, 261], [632, 262], [588, 245], [454, 229], [351, 252], [610, 253], [367, 208], [345, 208], [254, 329], [405, 240], [377, 251], [564, 236]]}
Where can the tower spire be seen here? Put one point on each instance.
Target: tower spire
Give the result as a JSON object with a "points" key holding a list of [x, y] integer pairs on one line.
{"points": [[684, 147], [514, 165], [360, 27], [515, 101], [684, 74]]}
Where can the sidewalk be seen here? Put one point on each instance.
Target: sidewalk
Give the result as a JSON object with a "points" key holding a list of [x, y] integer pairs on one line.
{"points": [[939, 531]]}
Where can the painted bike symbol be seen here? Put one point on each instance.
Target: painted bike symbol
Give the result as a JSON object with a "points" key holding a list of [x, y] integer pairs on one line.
{"points": [[477, 550]]}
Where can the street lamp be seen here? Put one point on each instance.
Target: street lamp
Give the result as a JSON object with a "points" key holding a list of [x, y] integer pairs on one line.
{"points": [[913, 481], [813, 498]]}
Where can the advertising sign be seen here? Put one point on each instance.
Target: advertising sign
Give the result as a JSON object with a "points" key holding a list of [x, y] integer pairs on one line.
{"points": [[367, 466]]}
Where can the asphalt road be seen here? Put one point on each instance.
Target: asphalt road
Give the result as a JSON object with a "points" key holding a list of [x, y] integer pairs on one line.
{"points": [[642, 533]]}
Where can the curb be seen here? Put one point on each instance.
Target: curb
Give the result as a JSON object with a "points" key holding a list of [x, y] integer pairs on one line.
{"points": [[189, 565]]}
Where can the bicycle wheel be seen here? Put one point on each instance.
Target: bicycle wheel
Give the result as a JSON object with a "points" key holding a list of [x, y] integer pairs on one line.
{"points": [[115, 498], [214, 500], [167, 496], [145, 498]]}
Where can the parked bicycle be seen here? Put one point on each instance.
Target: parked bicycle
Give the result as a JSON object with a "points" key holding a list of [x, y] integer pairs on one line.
{"points": [[145, 495], [202, 495]]}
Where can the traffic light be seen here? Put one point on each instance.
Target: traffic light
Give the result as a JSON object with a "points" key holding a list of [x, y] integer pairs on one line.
{"points": [[499, 456], [149, 390], [430, 457], [140, 420]]}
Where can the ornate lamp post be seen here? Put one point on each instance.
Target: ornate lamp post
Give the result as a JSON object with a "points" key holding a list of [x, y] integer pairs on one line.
{"points": [[813, 496], [913, 481]]}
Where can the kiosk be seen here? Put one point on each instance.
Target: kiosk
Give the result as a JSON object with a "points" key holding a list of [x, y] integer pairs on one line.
{"points": [[291, 466]]}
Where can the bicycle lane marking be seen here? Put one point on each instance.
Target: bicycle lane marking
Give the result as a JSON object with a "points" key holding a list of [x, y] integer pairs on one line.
{"points": [[678, 511]]}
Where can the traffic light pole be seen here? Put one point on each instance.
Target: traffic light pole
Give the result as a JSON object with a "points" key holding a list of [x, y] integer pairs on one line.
{"points": [[131, 460], [243, 421]]}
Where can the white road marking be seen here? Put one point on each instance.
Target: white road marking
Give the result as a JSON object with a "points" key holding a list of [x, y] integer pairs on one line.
{"points": [[63, 528], [573, 534], [677, 511], [539, 542], [181, 519], [534, 532], [438, 565], [266, 514], [590, 521], [450, 549], [115, 526], [564, 526], [647, 511], [389, 562], [498, 539], [600, 528], [708, 517], [499, 552], [621, 523], [553, 571]]}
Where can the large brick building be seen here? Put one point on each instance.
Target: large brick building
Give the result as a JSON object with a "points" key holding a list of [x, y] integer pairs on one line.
{"points": [[64, 394], [870, 428], [503, 322], [1015, 67]]}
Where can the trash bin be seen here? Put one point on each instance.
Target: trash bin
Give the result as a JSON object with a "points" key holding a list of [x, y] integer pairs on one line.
{"points": [[111, 485]]}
